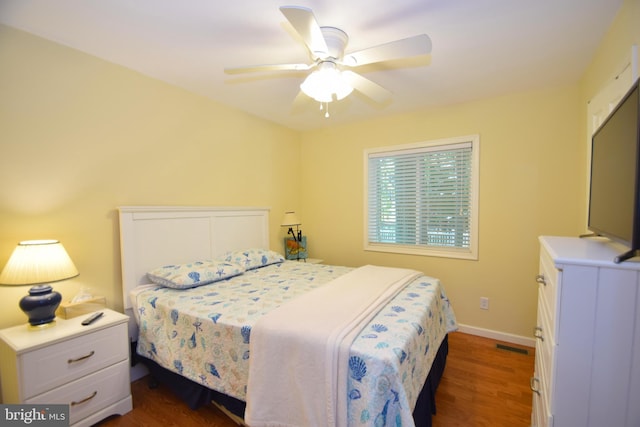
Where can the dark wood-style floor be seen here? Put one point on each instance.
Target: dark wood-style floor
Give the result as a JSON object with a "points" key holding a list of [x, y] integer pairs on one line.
{"points": [[482, 386]]}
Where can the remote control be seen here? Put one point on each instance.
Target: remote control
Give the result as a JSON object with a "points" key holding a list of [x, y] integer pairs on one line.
{"points": [[89, 320]]}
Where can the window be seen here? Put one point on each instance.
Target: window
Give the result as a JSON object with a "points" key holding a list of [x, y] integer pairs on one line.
{"points": [[423, 198]]}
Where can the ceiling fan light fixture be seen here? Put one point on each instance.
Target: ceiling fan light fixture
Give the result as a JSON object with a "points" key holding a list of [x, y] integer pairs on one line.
{"points": [[326, 82]]}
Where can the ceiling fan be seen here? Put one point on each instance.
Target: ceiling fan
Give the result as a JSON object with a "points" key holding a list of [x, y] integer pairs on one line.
{"points": [[332, 78]]}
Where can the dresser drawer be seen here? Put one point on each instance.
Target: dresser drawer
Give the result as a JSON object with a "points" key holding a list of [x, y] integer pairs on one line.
{"points": [[545, 338], [90, 394], [541, 414], [538, 412], [545, 354], [548, 278], [46, 368]]}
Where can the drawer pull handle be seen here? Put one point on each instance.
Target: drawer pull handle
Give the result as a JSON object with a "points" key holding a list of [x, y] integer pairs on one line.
{"points": [[537, 332], [86, 399], [540, 279], [534, 385], [70, 361]]}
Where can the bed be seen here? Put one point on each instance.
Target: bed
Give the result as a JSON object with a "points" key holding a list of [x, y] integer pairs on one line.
{"points": [[204, 341]]}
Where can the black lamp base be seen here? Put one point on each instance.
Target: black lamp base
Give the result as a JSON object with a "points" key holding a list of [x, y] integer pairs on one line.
{"points": [[40, 305]]}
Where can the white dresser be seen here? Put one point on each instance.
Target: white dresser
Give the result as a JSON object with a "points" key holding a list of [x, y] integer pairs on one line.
{"points": [[587, 368], [86, 367]]}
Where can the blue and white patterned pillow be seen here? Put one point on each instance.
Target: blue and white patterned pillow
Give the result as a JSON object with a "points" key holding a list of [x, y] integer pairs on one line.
{"points": [[192, 274], [253, 258]]}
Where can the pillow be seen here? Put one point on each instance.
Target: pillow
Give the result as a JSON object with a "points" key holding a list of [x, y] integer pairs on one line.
{"points": [[192, 274], [253, 258]]}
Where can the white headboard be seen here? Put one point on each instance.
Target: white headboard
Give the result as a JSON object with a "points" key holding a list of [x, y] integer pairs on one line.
{"points": [[152, 236]]}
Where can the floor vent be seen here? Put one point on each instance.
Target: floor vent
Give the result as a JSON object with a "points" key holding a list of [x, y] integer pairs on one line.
{"points": [[514, 349]]}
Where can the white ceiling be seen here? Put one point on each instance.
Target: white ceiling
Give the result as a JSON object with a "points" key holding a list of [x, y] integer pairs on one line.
{"points": [[481, 48]]}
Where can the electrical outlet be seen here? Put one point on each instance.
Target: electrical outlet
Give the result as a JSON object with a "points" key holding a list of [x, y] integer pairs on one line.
{"points": [[484, 303]]}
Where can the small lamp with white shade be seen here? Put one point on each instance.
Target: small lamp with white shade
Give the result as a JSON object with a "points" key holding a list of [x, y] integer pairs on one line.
{"points": [[39, 262], [290, 219], [297, 247]]}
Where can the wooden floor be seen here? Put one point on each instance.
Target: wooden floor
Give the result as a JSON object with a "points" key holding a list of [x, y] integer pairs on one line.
{"points": [[482, 386]]}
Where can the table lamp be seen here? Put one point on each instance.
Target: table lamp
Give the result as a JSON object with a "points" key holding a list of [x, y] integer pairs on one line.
{"points": [[296, 247], [39, 262], [289, 220]]}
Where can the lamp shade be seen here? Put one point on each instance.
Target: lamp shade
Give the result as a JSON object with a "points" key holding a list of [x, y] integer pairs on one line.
{"points": [[326, 82], [289, 219], [39, 262]]}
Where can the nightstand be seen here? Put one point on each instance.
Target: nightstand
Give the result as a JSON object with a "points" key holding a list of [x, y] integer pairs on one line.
{"points": [[86, 367]]}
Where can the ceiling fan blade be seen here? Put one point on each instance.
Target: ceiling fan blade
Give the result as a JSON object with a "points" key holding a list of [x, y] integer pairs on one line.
{"points": [[412, 46], [366, 87], [273, 67], [304, 22]]}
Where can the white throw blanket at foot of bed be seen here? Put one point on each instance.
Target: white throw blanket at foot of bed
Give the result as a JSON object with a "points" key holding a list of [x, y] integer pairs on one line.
{"points": [[299, 352]]}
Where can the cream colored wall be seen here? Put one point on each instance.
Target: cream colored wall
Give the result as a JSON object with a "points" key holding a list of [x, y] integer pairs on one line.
{"points": [[531, 184], [80, 137], [614, 51]]}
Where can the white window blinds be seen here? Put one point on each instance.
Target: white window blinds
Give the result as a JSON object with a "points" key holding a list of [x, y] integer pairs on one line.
{"points": [[422, 197]]}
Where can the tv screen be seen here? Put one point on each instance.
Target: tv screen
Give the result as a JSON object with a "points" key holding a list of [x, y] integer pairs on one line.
{"points": [[613, 199]]}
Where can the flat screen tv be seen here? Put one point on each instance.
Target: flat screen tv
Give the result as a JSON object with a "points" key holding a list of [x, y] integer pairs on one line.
{"points": [[614, 202]]}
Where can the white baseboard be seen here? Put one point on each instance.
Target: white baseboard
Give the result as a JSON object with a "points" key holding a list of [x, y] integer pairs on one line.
{"points": [[496, 335]]}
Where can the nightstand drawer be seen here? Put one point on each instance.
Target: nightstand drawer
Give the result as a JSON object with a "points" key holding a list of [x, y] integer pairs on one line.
{"points": [[57, 364], [90, 394]]}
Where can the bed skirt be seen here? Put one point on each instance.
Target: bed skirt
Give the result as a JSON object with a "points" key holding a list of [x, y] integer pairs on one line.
{"points": [[195, 395]]}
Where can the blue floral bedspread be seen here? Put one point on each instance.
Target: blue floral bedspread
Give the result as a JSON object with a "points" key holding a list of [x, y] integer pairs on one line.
{"points": [[203, 334]]}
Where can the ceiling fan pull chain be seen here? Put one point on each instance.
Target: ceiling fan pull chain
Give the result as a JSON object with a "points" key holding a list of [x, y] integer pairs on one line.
{"points": [[326, 114]]}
